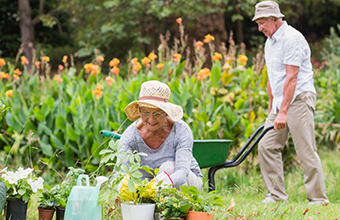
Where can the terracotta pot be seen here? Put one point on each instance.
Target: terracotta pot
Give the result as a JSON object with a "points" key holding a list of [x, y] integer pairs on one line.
{"points": [[45, 214], [192, 215]]}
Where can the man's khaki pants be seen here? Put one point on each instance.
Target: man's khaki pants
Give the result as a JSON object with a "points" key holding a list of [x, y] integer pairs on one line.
{"points": [[300, 124]]}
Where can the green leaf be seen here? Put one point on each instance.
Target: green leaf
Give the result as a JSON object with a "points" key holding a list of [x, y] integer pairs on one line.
{"points": [[71, 133], [60, 122], [3, 193], [56, 142]]}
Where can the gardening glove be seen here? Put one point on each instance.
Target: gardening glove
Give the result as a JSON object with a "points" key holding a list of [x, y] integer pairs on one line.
{"points": [[164, 179], [124, 191]]}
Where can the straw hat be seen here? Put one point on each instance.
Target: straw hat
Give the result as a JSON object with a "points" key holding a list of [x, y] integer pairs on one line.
{"points": [[267, 9], [154, 94]]}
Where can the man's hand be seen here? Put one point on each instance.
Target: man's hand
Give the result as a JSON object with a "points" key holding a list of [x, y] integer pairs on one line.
{"points": [[280, 121]]}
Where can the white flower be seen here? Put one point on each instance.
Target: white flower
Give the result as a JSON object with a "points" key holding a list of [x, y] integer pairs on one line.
{"points": [[11, 177], [15, 191], [37, 184], [24, 173], [101, 180]]}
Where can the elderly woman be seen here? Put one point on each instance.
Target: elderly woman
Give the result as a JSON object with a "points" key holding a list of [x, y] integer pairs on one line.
{"points": [[163, 136]]}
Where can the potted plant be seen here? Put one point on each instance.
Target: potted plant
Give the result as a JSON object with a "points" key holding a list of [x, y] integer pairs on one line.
{"points": [[47, 203], [171, 204], [202, 203], [63, 190], [20, 185], [137, 196]]}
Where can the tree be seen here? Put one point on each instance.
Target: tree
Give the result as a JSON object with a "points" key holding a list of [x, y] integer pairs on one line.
{"points": [[27, 24]]}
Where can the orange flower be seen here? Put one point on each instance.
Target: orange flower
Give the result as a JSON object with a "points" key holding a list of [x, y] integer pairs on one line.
{"points": [[37, 64], [98, 93], [114, 62], [137, 67], [65, 59], [99, 87], [100, 59], [160, 66], [58, 78], [146, 61], [203, 73], [217, 56], [177, 57], [199, 44], [208, 38], [2, 62], [9, 93], [61, 67], [134, 60], [170, 71], [17, 71], [15, 76], [115, 70], [109, 80], [4, 75], [91, 68], [152, 56], [179, 20], [45, 59], [24, 60], [243, 59]]}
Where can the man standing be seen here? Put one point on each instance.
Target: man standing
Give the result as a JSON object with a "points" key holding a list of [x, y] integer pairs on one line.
{"points": [[292, 98]]}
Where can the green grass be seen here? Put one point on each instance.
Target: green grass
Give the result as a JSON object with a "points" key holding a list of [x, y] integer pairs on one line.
{"points": [[247, 190]]}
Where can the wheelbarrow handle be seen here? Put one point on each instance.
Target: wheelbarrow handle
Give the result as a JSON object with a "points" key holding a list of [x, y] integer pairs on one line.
{"points": [[110, 134]]}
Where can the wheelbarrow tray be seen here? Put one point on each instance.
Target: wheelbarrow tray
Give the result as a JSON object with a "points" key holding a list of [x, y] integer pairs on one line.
{"points": [[210, 153]]}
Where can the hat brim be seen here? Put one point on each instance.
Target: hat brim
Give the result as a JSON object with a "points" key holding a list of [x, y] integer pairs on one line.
{"points": [[175, 112], [267, 15]]}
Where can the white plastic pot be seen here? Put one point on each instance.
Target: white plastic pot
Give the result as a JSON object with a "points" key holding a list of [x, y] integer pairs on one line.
{"points": [[137, 212]]}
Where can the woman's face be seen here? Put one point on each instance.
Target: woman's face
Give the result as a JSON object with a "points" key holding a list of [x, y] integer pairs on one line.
{"points": [[152, 118]]}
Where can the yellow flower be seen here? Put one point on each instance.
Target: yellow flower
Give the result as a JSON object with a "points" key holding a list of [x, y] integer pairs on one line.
{"points": [[243, 59], [217, 56], [9, 93], [64, 59], [115, 70], [109, 80], [177, 57], [208, 38], [4, 75], [15, 76], [45, 58], [17, 71], [24, 60], [2, 62], [152, 56], [179, 20], [199, 44], [114, 62], [146, 61], [160, 66]]}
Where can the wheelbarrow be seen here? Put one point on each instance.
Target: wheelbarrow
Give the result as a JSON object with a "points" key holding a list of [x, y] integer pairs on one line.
{"points": [[212, 153]]}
